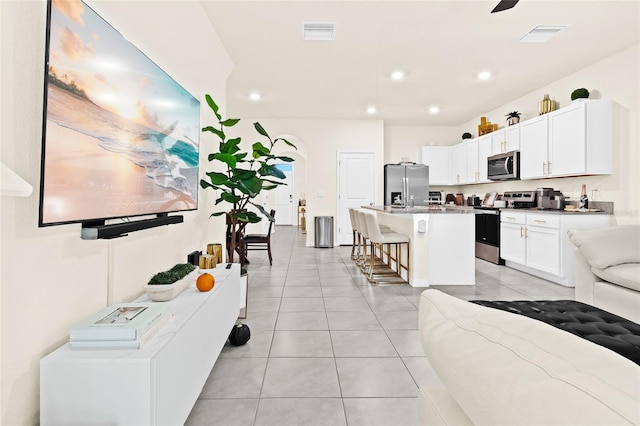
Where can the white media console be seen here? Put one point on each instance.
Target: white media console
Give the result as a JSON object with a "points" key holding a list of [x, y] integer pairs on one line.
{"points": [[155, 385]]}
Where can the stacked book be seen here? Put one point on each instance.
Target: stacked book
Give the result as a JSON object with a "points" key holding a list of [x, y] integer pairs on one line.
{"points": [[121, 326]]}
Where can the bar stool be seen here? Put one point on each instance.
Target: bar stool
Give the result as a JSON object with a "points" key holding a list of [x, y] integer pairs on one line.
{"points": [[356, 235], [379, 240]]}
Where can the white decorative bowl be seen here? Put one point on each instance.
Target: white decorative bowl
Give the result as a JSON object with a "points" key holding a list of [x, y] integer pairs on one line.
{"points": [[166, 292]]}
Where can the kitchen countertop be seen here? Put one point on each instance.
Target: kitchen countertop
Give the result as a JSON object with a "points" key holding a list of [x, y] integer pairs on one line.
{"points": [[551, 211], [437, 209]]}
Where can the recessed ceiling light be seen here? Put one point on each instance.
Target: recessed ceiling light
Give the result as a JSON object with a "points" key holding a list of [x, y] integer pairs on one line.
{"points": [[397, 75], [255, 96], [484, 75], [371, 109], [434, 110], [541, 33]]}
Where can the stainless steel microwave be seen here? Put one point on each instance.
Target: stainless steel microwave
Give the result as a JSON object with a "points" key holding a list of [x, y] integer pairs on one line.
{"points": [[505, 166]]}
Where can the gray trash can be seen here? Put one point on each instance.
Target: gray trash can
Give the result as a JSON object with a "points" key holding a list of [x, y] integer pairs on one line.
{"points": [[324, 231]]}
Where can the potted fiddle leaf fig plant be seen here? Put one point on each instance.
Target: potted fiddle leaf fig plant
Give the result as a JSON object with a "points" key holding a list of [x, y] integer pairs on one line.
{"points": [[246, 174], [513, 118]]}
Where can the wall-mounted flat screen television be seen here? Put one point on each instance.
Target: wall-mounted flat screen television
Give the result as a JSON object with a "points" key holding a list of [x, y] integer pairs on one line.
{"points": [[120, 136]]}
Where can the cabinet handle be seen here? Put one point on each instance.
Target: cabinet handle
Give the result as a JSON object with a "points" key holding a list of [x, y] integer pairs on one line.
{"points": [[540, 221], [544, 168], [510, 218], [521, 231], [526, 232], [549, 168]]}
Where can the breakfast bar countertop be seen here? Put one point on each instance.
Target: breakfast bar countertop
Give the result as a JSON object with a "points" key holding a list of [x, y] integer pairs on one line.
{"points": [[438, 209]]}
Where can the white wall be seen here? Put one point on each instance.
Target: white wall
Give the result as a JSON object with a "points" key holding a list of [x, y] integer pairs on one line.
{"points": [[50, 278], [406, 141], [318, 142]]}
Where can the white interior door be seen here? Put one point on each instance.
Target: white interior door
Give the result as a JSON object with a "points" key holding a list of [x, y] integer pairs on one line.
{"points": [[356, 188], [283, 197]]}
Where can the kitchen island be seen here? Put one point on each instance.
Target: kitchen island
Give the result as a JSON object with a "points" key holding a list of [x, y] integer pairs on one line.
{"points": [[442, 242]]}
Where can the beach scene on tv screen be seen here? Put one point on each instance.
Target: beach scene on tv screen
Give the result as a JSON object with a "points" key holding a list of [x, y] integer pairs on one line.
{"points": [[121, 136]]}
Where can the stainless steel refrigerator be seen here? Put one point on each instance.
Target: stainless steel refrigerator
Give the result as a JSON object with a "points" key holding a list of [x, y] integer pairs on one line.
{"points": [[404, 183]]}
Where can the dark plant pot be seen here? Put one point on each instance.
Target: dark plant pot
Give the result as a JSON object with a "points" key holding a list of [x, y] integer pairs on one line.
{"points": [[240, 334]]}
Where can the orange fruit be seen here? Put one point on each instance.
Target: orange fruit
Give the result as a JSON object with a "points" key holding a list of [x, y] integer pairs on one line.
{"points": [[205, 282]]}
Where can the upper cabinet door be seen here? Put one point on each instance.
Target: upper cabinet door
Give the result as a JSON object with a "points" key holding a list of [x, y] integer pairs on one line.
{"points": [[437, 158], [484, 151], [512, 138], [499, 144], [567, 140], [472, 161], [533, 148]]}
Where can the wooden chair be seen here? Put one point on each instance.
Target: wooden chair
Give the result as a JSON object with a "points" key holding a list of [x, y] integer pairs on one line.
{"points": [[259, 241]]}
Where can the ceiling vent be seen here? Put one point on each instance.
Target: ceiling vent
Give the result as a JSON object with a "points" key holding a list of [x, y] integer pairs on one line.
{"points": [[319, 31], [541, 33]]}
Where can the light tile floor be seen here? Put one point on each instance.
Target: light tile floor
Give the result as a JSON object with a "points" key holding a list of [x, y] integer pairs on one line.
{"points": [[328, 348]]}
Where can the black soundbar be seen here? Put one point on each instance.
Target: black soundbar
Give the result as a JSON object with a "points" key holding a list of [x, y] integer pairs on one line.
{"points": [[100, 230]]}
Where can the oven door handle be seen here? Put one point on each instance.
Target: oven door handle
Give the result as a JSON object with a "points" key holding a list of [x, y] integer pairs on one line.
{"points": [[506, 164]]}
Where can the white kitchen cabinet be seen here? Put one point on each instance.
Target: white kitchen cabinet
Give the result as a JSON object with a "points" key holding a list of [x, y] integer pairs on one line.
{"points": [[438, 160], [472, 161], [459, 163], [538, 243], [512, 138], [512, 244], [581, 139], [542, 236], [533, 147], [506, 139], [571, 141], [485, 148]]}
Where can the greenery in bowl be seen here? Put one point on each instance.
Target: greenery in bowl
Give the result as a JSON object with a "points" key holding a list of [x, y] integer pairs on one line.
{"points": [[579, 93], [178, 272], [466, 135], [513, 114]]}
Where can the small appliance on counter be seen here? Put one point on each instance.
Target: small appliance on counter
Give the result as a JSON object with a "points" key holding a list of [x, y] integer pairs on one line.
{"points": [[548, 198], [473, 200], [520, 199], [435, 197]]}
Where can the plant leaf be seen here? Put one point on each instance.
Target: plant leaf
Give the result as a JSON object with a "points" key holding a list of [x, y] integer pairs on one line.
{"points": [[271, 170], [229, 197], [230, 122], [260, 129], [228, 159], [215, 131], [260, 150], [230, 146], [284, 158], [287, 142], [218, 178], [212, 105]]}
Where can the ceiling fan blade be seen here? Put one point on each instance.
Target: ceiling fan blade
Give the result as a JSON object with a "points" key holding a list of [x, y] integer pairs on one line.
{"points": [[504, 5]]}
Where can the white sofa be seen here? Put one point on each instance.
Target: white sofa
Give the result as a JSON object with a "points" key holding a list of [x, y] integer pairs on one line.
{"points": [[607, 269], [500, 368]]}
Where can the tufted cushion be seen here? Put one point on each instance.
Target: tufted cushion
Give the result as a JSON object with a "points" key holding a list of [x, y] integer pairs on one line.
{"points": [[601, 327], [608, 246], [509, 369], [625, 275]]}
